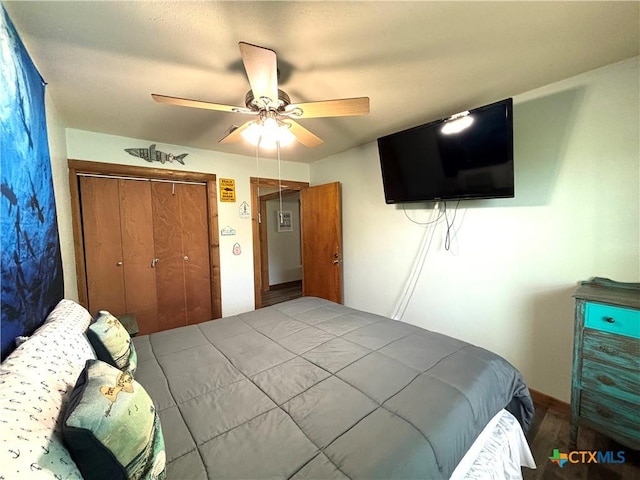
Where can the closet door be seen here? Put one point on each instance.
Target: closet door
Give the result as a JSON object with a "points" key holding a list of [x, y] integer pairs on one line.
{"points": [[147, 250], [100, 205], [181, 237], [167, 233], [138, 253], [195, 242]]}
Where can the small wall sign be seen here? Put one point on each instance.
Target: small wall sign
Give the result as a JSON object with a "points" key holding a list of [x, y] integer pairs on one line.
{"points": [[245, 211], [236, 249], [227, 190], [227, 231]]}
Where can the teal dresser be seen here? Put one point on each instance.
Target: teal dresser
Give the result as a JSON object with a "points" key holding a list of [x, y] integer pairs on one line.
{"points": [[605, 390]]}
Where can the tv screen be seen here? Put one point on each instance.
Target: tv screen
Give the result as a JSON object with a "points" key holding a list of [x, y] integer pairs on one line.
{"points": [[466, 156]]}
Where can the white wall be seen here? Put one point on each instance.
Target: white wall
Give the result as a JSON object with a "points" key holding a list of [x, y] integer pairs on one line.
{"points": [[236, 271], [506, 283], [284, 247], [60, 176]]}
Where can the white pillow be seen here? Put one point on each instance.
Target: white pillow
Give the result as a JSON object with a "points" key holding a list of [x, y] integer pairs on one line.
{"points": [[36, 380], [71, 313]]}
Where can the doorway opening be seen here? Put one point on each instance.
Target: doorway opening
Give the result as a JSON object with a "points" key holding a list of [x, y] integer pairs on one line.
{"points": [[277, 258]]}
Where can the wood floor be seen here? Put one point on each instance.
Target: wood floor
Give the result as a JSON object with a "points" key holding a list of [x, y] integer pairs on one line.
{"points": [[282, 293], [551, 430]]}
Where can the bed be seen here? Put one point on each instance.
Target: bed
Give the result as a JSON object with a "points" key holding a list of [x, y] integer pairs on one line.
{"points": [[304, 389]]}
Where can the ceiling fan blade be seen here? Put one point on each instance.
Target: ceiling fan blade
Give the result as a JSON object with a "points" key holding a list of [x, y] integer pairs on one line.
{"points": [[261, 66], [303, 135], [235, 134], [329, 108], [185, 102]]}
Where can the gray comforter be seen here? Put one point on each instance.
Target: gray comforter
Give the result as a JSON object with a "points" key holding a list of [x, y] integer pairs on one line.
{"points": [[313, 389]]}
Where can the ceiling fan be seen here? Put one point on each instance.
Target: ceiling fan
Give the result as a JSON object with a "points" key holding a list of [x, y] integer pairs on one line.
{"points": [[276, 114]]}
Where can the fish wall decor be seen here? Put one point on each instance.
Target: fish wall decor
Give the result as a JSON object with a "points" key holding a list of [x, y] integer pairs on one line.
{"points": [[152, 155]]}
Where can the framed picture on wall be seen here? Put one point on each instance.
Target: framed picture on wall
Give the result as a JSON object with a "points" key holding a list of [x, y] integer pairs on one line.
{"points": [[284, 221]]}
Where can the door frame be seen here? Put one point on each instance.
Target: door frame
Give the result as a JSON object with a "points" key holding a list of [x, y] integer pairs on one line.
{"points": [[264, 241], [258, 250], [77, 167]]}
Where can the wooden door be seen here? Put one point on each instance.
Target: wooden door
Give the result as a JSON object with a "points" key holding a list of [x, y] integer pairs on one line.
{"points": [[138, 253], [182, 263], [100, 203], [321, 222], [195, 244], [168, 261]]}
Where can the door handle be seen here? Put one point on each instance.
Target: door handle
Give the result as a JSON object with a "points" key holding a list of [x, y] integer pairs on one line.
{"points": [[154, 262], [119, 264]]}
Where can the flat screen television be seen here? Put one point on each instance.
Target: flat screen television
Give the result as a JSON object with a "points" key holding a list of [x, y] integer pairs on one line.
{"points": [[466, 156]]}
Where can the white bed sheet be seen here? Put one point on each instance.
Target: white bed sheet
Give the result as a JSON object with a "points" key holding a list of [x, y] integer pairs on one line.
{"points": [[498, 453]]}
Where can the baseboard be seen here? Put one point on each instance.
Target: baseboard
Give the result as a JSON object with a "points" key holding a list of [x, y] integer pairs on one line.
{"points": [[550, 403]]}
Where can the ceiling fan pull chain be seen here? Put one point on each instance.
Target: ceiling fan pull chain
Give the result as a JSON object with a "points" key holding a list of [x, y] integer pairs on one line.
{"points": [[258, 165], [279, 180]]}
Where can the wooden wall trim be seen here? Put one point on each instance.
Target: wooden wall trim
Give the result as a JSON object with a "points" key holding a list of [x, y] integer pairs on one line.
{"points": [[83, 166], [78, 239], [77, 167], [274, 195], [550, 403], [214, 239]]}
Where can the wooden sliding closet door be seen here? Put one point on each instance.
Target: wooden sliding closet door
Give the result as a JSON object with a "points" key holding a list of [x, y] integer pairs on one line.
{"points": [[181, 237], [146, 246], [138, 253], [167, 232], [195, 241], [100, 202], [118, 239]]}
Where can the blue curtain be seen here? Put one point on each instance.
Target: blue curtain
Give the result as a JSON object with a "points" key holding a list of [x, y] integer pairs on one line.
{"points": [[31, 277]]}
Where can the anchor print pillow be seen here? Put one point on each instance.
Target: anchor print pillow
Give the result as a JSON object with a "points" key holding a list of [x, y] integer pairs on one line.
{"points": [[111, 427], [36, 381], [112, 342]]}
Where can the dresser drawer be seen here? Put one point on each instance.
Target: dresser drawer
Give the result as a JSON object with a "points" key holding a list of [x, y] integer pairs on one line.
{"points": [[616, 382], [614, 417], [606, 318], [610, 349]]}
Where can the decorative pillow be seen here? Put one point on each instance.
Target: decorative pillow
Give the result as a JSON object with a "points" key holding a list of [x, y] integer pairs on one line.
{"points": [[112, 342], [111, 427], [71, 313], [36, 381]]}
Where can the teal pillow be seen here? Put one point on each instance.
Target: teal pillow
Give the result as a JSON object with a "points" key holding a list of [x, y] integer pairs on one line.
{"points": [[111, 427], [112, 342]]}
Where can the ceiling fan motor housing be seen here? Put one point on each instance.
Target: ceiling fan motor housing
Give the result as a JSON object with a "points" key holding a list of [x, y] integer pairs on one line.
{"points": [[251, 102]]}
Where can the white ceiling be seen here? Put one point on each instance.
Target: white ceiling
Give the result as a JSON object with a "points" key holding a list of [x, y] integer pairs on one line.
{"points": [[417, 61]]}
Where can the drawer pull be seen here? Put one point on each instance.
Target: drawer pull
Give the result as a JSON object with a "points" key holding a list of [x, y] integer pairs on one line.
{"points": [[604, 412], [609, 319], [606, 349], [605, 380]]}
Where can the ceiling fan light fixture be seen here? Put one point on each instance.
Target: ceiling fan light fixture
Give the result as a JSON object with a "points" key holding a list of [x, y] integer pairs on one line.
{"points": [[267, 132], [457, 123], [276, 124]]}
